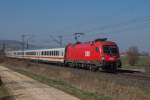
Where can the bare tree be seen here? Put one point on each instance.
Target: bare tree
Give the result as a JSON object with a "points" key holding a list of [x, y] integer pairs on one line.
{"points": [[133, 55]]}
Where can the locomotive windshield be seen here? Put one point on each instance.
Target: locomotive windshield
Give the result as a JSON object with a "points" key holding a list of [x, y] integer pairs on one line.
{"points": [[110, 49]]}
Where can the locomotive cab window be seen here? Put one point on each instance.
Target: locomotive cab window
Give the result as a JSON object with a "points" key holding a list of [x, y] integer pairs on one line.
{"points": [[110, 49]]}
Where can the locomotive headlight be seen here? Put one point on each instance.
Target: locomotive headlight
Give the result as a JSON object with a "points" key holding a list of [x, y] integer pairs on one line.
{"points": [[103, 58]]}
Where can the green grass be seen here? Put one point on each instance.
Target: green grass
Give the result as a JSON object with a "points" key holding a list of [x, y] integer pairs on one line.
{"points": [[4, 95], [64, 86]]}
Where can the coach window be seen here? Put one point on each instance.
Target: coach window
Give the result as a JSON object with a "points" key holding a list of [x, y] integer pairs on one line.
{"points": [[47, 53], [57, 53], [62, 53], [52, 53]]}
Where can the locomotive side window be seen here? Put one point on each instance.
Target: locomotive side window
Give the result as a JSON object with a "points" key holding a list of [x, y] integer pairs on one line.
{"points": [[56, 53], [97, 49]]}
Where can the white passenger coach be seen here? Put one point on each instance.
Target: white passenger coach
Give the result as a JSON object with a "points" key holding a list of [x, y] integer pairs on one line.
{"points": [[51, 55]]}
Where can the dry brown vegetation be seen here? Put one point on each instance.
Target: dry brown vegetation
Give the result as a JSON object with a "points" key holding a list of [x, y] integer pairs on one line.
{"points": [[4, 94], [132, 55], [101, 84]]}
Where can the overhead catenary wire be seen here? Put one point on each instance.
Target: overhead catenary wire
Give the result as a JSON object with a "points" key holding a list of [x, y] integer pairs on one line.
{"points": [[112, 28], [66, 33]]}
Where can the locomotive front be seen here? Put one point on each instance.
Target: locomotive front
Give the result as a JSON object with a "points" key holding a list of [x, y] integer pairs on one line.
{"points": [[110, 57]]}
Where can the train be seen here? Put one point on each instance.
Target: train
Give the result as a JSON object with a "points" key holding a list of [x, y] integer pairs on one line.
{"points": [[93, 55]]}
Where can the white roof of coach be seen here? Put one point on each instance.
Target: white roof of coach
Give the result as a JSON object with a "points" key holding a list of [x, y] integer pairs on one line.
{"points": [[39, 50], [45, 49]]}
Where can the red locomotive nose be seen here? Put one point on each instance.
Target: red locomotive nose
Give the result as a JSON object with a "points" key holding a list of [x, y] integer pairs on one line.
{"points": [[110, 58]]}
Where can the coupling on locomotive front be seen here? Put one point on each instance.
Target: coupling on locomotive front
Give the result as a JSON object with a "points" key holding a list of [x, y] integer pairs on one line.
{"points": [[94, 55]]}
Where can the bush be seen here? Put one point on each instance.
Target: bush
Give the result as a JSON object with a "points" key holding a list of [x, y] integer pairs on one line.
{"points": [[132, 55]]}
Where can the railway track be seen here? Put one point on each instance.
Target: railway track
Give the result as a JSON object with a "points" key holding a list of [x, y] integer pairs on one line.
{"points": [[140, 76], [124, 73]]}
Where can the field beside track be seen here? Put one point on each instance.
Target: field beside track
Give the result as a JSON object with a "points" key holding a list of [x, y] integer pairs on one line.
{"points": [[84, 84]]}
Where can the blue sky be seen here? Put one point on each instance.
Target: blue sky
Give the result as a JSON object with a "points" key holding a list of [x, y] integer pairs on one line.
{"points": [[125, 21]]}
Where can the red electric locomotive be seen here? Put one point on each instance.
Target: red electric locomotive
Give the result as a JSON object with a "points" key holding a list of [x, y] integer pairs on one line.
{"points": [[93, 55]]}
